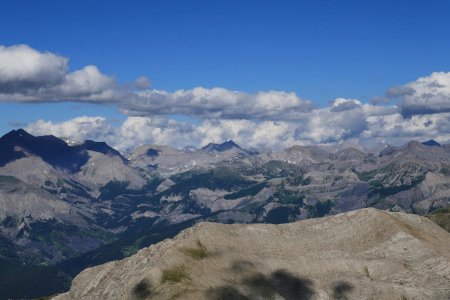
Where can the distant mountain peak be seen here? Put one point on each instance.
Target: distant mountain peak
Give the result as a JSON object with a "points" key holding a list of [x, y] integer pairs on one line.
{"points": [[20, 131], [16, 134], [229, 144], [53, 150], [431, 143], [49, 148]]}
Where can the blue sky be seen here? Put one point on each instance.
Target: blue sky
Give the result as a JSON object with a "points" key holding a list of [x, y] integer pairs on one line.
{"points": [[321, 50]]}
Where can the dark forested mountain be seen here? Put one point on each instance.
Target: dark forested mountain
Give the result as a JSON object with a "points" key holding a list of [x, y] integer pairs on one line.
{"points": [[66, 207]]}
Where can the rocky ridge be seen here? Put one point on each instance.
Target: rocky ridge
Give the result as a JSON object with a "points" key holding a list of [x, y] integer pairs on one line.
{"points": [[364, 254]]}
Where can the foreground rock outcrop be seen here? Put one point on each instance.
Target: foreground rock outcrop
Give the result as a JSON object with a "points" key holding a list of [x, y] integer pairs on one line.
{"points": [[364, 254]]}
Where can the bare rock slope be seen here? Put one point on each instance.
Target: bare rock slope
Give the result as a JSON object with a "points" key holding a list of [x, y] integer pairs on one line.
{"points": [[364, 254]]}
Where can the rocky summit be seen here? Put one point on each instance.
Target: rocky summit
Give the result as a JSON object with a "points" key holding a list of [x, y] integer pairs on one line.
{"points": [[363, 254]]}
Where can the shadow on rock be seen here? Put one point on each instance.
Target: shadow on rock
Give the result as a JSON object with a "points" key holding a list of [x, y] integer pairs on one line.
{"points": [[241, 266], [341, 290], [142, 290], [226, 292], [259, 286], [292, 287]]}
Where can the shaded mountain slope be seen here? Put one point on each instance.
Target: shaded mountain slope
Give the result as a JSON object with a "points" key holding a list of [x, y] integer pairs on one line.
{"points": [[18, 143]]}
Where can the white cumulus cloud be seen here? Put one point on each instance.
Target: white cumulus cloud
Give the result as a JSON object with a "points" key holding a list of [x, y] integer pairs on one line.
{"points": [[23, 68], [426, 95], [27, 75]]}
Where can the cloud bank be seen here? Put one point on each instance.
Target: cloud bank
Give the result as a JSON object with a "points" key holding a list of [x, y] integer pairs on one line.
{"points": [[274, 119], [321, 126]]}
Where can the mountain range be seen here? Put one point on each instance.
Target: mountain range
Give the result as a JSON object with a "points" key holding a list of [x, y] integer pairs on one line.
{"points": [[65, 207]]}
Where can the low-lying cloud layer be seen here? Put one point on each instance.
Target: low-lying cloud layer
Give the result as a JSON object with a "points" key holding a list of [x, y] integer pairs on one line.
{"points": [[319, 127], [273, 119]]}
